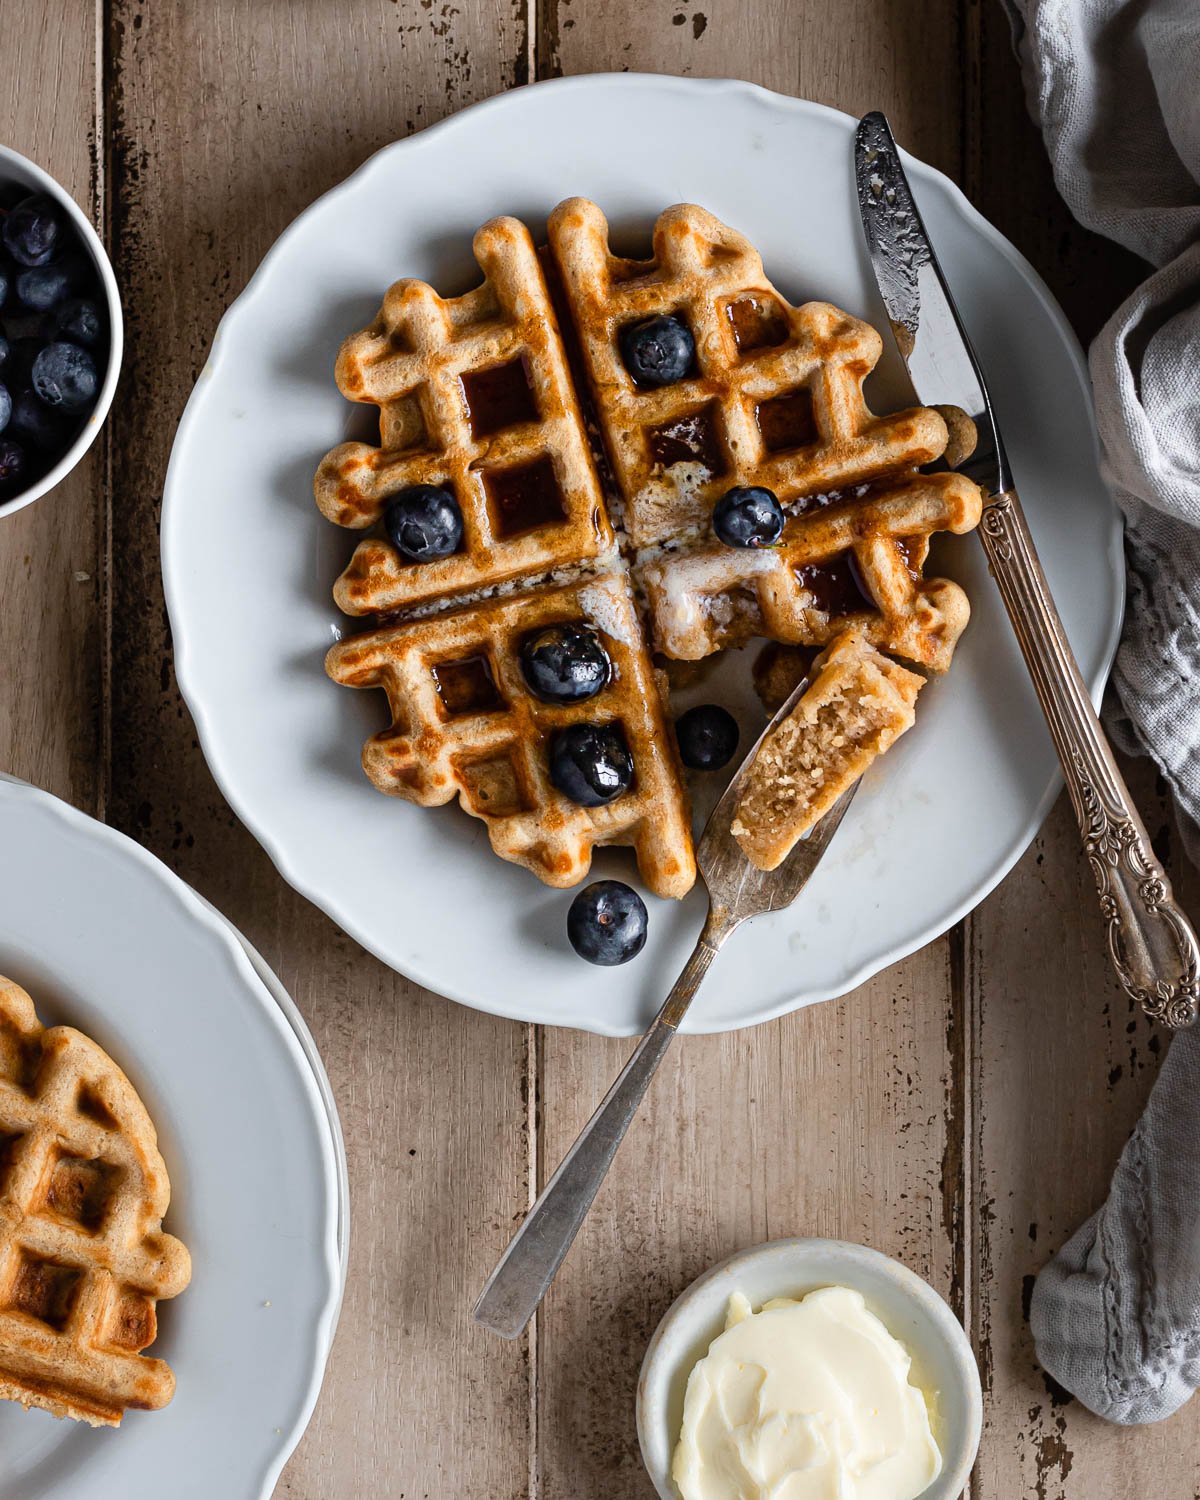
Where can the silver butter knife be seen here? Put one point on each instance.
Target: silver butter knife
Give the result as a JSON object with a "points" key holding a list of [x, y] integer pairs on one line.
{"points": [[1152, 944]]}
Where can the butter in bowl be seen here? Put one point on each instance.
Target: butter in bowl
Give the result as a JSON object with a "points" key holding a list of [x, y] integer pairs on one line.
{"points": [[811, 1369]]}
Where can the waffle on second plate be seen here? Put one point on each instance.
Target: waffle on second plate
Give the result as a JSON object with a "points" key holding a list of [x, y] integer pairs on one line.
{"points": [[83, 1259]]}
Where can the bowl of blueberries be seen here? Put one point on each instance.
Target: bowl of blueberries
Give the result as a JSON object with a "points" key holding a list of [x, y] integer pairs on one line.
{"points": [[60, 332]]}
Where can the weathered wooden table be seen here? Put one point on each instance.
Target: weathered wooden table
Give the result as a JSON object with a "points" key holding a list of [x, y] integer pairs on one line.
{"points": [[961, 1111]]}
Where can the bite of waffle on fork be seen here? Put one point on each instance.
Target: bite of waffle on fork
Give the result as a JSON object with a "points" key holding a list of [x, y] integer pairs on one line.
{"points": [[774, 399], [83, 1259], [856, 704]]}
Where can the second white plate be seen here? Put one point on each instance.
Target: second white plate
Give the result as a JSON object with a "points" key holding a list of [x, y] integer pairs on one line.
{"points": [[249, 563], [104, 937]]}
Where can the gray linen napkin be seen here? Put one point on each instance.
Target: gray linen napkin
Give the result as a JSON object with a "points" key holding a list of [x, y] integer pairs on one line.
{"points": [[1115, 85]]}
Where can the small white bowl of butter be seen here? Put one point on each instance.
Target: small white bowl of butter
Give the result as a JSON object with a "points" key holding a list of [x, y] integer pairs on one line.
{"points": [[800, 1366]]}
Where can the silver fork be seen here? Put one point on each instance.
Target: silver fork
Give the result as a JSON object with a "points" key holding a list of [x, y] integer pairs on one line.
{"points": [[737, 891]]}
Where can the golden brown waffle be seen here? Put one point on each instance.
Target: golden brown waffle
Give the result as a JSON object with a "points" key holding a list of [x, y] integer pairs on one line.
{"points": [[776, 398], [852, 559], [465, 724], [473, 394], [83, 1259], [857, 704]]}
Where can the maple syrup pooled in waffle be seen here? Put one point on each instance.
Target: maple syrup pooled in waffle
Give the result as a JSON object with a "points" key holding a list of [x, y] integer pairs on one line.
{"points": [[774, 396], [857, 704], [475, 397], [83, 1259], [774, 399], [852, 560], [467, 724]]}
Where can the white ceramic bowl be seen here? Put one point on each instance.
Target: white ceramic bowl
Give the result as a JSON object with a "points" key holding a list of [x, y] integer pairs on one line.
{"points": [[17, 168], [943, 1364]]}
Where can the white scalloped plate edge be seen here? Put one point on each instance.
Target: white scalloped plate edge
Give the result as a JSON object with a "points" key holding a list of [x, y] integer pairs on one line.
{"points": [[433, 135], [243, 957]]}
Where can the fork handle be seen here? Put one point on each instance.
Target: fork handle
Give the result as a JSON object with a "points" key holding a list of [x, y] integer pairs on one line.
{"points": [[1152, 944], [531, 1262]]}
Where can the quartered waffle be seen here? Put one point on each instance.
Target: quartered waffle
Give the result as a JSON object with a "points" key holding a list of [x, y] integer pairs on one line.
{"points": [[465, 724], [83, 1259], [857, 704], [850, 559], [775, 399], [473, 394]]}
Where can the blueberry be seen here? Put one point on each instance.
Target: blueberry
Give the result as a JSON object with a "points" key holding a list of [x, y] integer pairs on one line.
{"points": [[659, 351], [34, 231], [34, 423], [3, 350], [590, 763], [424, 522], [748, 516], [606, 923], [5, 279], [12, 466], [78, 319], [6, 406], [708, 736], [565, 664], [64, 376], [44, 287]]}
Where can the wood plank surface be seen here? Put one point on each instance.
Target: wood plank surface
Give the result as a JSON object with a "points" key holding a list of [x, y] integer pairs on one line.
{"points": [[52, 616], [1061, 1063], [227, 119], [961, 1111], [839, 1120]]}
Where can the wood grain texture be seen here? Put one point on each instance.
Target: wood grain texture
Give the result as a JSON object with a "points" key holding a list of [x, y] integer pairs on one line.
{"points": [[52, 636], [228, 118], [962, 1110], [840, 1120], [1061, 1063]]}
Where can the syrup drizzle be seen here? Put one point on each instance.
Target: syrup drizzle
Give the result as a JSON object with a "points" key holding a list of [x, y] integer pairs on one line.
{"points": [[688, 440], [787, 421], [836, 586], [758, 323], [467, 686], [499, 397], [525, 498]]}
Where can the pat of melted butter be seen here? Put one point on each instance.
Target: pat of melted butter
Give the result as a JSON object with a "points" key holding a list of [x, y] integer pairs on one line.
{"points": [[806, 1400]]}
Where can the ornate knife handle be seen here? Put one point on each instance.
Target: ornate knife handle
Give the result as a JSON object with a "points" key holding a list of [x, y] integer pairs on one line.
{"points": [[1152, 944]]}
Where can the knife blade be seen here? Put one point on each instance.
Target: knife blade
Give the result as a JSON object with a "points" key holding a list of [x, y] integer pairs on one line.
{"points": [[925, 322], [1151, 943]]}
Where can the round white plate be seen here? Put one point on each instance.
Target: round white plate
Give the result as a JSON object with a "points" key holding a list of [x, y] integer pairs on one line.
{"points": [[248, 561], [104, 937], [308, 1045]]}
